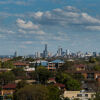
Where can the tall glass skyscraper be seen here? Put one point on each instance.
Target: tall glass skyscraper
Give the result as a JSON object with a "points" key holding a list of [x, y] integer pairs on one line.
{"points": [[45, 52]]}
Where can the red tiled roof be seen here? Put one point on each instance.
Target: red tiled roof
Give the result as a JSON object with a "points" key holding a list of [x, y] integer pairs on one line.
{"points": [[80, 66], [52, 79], [20, 64], [9, 86], [5, 59]]}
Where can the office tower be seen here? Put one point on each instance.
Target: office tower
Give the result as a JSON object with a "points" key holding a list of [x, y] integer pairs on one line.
{"points": [[15, 54], [59, 52], [94, 54], [37, 54], [67, 52], [45, 52]]}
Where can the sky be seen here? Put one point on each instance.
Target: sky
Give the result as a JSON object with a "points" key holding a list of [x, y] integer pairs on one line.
{"points": [[26, 25]]}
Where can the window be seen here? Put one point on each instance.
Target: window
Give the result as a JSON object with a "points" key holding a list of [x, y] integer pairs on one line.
{"points": [[86, 95], [79, 95], [90, 76]]}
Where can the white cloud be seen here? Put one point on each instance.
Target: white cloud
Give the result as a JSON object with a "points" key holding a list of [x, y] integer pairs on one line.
{"points": [[44, 42], [40, 32], [23, 46], [2, 36], [38, 14], [26, 25], [2, 30], [28, 42], [22, 31], [94, 28], [68, 17], [6, 14], [90, 19], [53, 37], [70, 8], [17, 2], [36, 32]]}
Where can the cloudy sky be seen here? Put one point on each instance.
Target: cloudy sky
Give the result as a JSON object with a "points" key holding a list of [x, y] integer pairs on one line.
{"points": [[26, 25]]}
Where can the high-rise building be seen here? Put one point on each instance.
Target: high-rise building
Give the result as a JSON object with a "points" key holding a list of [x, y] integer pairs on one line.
{"points": [[45, 52], [37, 55], [94, 54], [15, 54], [60, 51], [67, 52]]}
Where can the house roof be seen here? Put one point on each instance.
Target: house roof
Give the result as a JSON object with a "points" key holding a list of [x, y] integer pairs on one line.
{"points": [[5, 59], [51, 79], [41, 62], [9, 86], [20, 64], [80, 66], [57, 61]]}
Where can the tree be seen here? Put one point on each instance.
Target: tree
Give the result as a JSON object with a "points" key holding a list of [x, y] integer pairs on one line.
{"points": [[54, 93], [19, 58], [72, 85], [66, 98], [92, 60], [79, 77], [97, 67], [29, 59], [19, 72], [7, 64], [67, 66], [0, 64], [62, 77], [7, 77], [34, 75], [42, 74], [21, 84], [97, 96], [32, 92]]}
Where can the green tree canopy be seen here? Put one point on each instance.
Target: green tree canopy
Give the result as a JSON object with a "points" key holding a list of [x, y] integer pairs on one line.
{"points": [[62, 77], [68, 65], [42, 74], [73, 85], [92, 60], [54, 93], [70, 83], [21, 84], [7, 77], [7, 64], [79, 77], [32, 92], [97, 96], [18, 71], [97, 67]]}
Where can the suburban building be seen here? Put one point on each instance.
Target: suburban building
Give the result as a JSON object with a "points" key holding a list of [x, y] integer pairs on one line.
{"points": [[53, 65], [78, 94], [21, 64], [8, 89]]}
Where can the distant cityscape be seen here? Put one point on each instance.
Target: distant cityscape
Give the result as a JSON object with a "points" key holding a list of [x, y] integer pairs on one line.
{"points": [[60, 53]]}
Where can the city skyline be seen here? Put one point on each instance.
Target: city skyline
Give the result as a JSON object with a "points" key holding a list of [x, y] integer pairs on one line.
{"points": [[26, 25], [60, 52]]}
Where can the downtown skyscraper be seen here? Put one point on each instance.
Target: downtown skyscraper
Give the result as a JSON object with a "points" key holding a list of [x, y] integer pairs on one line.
{"points": [[45, 52]]}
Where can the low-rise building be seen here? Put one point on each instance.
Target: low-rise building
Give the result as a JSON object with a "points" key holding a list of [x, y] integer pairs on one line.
{"points": [[8, 89], [82, 95], [53, 65], [21, 64], [80, 67]]}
